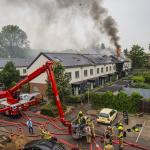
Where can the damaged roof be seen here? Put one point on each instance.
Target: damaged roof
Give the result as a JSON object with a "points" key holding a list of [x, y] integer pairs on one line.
{"points": [[76, 59], [99, 59]]}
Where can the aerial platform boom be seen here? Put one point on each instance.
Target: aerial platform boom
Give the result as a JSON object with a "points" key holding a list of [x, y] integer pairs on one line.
{"points": [[47, 67]]}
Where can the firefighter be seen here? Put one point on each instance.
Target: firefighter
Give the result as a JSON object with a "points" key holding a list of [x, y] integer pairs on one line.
{"points": [[88, 133], [45, 134], [120, 135], [109, 147], [91, 124], [125, 117], [80, 117], [109, 131], [108, 142]]}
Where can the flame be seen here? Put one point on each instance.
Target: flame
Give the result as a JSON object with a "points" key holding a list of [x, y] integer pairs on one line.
{"points": [[118, 52]]}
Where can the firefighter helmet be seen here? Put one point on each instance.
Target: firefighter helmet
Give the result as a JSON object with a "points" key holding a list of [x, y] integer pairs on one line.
{"points": [[80, 113]]}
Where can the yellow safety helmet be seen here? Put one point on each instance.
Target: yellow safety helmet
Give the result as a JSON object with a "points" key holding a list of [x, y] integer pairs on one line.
{"points": [[120, 128], [136, 130], [120, 124], [80, 113]]}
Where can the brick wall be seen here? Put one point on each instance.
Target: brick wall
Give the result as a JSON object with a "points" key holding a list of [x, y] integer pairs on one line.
{"points": [[38, 87]]}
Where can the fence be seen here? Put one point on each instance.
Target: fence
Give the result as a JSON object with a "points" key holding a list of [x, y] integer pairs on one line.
{"points": [[144, 106]]}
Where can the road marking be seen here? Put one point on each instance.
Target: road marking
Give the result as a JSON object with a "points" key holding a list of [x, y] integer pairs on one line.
{"points": [[120, 119], [140, 131]]}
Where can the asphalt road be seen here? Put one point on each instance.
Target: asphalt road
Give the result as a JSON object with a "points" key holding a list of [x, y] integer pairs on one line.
{"points": [[141, 138]]}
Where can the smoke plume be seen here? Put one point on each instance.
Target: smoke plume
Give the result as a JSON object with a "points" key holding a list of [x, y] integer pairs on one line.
{"points": [[60, 24]]}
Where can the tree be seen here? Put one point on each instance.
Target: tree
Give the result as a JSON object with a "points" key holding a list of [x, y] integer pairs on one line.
{"points": [[138, 56], [9, 75], [14, 41], [126, 52], [62, 80]]}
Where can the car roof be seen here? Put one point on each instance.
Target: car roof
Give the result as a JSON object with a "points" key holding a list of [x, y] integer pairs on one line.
{"points": [[106, 110]]}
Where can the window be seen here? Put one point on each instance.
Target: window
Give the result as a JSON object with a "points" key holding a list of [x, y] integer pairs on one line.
{"points": [[35, 89], [91, 71], [77, 74], [112, 112], [106, 69], [104, 115], [69, 75], [24, 71], [102, 70], [110, 68], [97, 70], [85, 73], [114, 67]]}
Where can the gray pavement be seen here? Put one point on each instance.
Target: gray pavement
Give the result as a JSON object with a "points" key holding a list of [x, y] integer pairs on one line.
{"points": [[142, 138]]}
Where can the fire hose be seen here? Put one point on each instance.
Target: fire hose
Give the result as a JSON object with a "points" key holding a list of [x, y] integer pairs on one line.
{"points": [[129, 144]]}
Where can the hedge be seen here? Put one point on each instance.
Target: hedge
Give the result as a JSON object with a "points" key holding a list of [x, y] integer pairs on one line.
{"points": [[138, 78], [75, 99], [50, 109], [147, 79], [121, 101], [141, 85]]}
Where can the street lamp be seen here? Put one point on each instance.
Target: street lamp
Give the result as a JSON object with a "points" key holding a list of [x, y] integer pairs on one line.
{"points": [[88, 85]]}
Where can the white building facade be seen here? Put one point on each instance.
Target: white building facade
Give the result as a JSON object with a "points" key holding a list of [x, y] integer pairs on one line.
{"points": [[82, 69]]}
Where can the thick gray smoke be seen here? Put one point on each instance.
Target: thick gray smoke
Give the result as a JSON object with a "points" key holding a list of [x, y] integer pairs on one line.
{"points": [[60, 24]]}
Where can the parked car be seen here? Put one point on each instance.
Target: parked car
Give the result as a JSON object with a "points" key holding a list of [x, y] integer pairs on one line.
{"points": [[106, 115], [29, 96]]}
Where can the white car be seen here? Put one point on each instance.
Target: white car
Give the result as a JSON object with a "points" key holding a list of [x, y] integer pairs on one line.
{"points": [[28, 97], [107, 116]]}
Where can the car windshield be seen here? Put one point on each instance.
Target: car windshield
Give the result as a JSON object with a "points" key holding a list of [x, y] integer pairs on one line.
{"points": [[104, 115]]}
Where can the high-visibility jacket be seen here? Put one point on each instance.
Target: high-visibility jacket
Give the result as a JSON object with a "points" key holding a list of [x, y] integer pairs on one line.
{"points": [[45, 134], [108, 147], [88, 130], [120, 134]]}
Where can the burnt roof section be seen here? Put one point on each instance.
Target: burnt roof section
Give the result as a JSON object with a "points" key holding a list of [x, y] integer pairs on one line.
{"points": [[18, 62], [76, 59], [99, 59], [69, 59]]}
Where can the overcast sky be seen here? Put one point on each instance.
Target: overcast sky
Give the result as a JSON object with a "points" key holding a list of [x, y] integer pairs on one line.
{"points": [[133, 19]]}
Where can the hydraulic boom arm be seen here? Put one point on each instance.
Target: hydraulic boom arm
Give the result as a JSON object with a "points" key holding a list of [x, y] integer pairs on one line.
{"points": [[45, 68]]}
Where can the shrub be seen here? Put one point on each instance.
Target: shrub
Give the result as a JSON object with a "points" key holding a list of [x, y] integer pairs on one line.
{"points": [[73, 99], [134, 102], [121, 101], [50, 109], [138, 78], [114, 78], [106, 99], [147, 79], [141, 85], [47, 110]]}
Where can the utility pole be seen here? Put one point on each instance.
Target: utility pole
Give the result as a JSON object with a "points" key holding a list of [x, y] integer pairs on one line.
{"points": [[88, 96]]}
